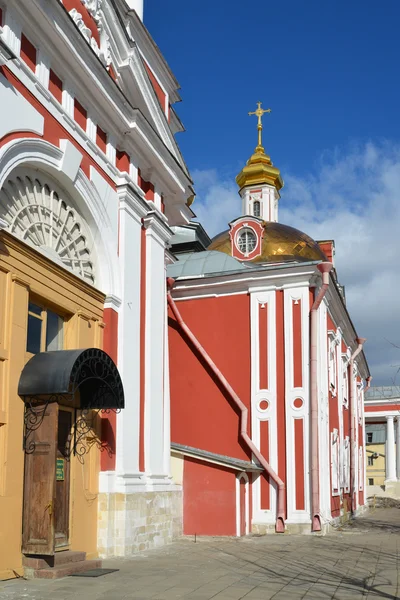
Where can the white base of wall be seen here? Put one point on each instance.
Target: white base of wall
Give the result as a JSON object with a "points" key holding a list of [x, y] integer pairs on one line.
{"points": [[131, 523], [391, 489], [111, 482]]}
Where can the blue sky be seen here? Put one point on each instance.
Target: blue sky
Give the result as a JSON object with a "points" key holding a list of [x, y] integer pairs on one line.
{"points": [[330, 72]]}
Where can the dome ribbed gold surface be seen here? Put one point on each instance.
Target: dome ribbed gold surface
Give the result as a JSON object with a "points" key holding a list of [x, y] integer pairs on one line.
{"points": [[280, 243]]}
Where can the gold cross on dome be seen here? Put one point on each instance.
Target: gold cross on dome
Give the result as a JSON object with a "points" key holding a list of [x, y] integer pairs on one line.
{"points": [[259, 113]]}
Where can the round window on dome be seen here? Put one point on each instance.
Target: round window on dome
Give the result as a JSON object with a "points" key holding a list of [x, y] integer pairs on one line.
{"points": [[246, 241]]}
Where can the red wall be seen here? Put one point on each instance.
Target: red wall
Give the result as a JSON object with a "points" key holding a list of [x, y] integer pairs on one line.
{"points": [[201, 414], [209, 499]]}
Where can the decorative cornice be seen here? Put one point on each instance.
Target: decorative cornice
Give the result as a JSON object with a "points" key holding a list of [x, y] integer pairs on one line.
{"points": [[62, 40], [113, 302], [104, 51], [153, 223]]}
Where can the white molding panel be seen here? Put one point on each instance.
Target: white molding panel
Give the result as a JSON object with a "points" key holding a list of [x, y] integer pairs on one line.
{"points": [[293, 392], [257, 300]]}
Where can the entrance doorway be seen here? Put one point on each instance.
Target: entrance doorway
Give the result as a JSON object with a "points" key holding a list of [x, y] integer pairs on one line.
{"points": [[61, 389], [47, 481]]}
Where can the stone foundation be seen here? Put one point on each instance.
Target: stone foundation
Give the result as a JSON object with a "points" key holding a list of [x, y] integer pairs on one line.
{"points": [[131, 523], [290, 528]]}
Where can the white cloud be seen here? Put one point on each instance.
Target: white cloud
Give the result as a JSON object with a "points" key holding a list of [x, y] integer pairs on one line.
{"points": [[354, 198]]}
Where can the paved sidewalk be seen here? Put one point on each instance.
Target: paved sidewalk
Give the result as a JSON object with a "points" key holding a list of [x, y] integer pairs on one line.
{"points": [[360, 561]]}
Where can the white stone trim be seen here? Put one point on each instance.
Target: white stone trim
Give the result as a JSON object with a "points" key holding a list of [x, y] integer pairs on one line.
{"points": [[244, 476], [323, 415], [256, 300], [157, 235], [12, 31], [291, 393], [132, 209]]}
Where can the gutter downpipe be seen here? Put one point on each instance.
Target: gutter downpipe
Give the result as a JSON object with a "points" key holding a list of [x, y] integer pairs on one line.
{"points": [[324, 268], [360, 342], [280, 519]]}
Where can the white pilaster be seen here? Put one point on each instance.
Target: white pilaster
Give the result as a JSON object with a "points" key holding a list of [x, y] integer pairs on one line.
{"points": [[157, 235], [91, 128], [68, 101], [264, 300], [12, 32], [390, 450], [132, 209], [43, 68], [111, 150], [398, 448], [292, 296], [323, 414]]}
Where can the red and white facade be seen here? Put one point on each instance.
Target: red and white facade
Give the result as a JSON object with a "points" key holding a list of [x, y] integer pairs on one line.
{"points": [[267, 376], [87, 116]]}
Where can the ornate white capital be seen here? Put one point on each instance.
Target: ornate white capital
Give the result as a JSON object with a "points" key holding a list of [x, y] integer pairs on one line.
{"points": [[131, 201], [155, 224]]}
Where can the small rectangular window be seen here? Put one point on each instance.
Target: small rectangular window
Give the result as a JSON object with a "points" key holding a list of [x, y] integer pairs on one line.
{"points": [[80, 114], [45, 330], [369, 438], [34, 334], [55, 86], [28, 52], [370, 461], [54, 331], [370, 481]]}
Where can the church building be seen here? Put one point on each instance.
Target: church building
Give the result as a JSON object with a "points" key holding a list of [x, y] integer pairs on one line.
{"points": [[267, 373], [91, 182]]}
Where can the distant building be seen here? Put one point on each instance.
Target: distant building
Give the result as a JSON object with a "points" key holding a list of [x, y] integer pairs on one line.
{"points": [[382, 438]]}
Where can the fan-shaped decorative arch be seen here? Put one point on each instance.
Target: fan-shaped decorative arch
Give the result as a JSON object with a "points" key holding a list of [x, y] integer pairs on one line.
{"points": [[41, 214]]}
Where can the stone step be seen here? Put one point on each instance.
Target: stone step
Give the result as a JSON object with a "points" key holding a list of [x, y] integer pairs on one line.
{"points": [[62, 570], [59, 558]]}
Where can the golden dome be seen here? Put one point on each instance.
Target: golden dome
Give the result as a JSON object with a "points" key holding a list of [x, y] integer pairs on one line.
{"points": [[280, 243], [259, 170]]}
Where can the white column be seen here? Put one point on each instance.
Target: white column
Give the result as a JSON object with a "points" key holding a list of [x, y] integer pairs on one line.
{"points": [[398, 447], [132, 209], [157, 235], [390, 450]]}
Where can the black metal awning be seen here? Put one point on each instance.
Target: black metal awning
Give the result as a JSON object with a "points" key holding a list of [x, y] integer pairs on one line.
{"points": [[85, 379]]}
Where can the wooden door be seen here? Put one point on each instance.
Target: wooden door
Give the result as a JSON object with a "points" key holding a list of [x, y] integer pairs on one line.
{"points": [[61, 508], [39, 484]]}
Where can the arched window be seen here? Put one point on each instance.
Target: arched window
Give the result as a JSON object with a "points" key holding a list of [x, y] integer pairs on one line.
{"points": [[246, 241], [256, 208]]}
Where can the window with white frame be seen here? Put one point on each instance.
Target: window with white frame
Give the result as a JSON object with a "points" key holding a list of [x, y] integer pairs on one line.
{"points": [[332, 362], [345, 383], [257, 208], [370, 461], [246, 241], [360, 469], [360, 396], [335, 462], [346, 464]]}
